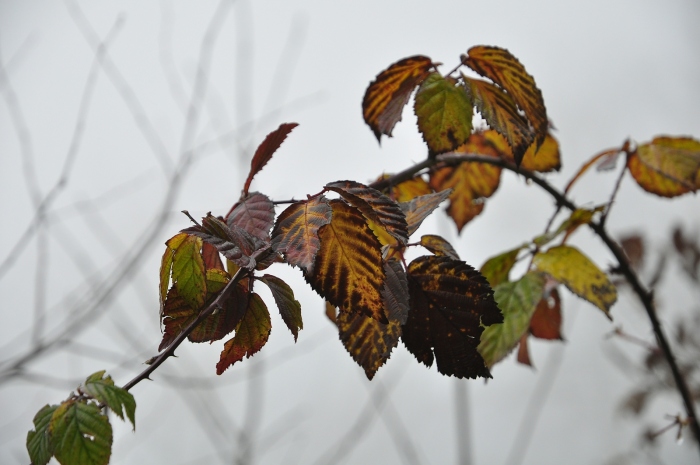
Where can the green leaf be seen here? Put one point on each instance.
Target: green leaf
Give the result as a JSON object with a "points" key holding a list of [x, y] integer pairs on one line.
{"points": [[189, 272], [579, 274], [166, 264], [80, 434], [518, 301], [38, 440], [496, 269], [117, 399], [289, 307], [444, 114]]}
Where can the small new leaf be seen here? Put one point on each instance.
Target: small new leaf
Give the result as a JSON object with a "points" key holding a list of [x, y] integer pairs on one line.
{"points": [[117, 399], [289, 307], [579, 274], [80, 434], [348, 269], [265, 151], [667, 166], [444, 113], [517, 300], [255, 214], [296, 231], [389, 92], [251, 335], [38, 439], [451, 303]]}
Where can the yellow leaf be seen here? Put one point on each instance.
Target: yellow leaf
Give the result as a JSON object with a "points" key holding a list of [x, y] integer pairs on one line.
{"points": [[667, 166], [348, 269], [389, 92], [579, 274], [545, 159], [410, 189], [367, 340]]}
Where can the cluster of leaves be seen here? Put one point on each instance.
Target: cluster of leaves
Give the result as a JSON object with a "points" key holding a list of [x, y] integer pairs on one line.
{"points": [[78, 431]]}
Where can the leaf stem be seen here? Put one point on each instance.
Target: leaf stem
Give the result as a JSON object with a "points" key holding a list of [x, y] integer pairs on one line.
{"points": [[170, 350]]}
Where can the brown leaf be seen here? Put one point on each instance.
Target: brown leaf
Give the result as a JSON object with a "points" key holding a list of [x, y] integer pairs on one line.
{"points": [[395, 291], [667, 166], [389, 92], [506, 71], [544, 159], [289, 307], [251, 335], [546, 321], [348, 269], [450, 305], [211, 257], [222, 322], [234, 243], [419, 208], [265, 151], [255, 214], [375, 206], [176, 316], [471, 182], [439, 246], [633, 246], [501, 114], [296, 231], [523, 352], [367, 340]]}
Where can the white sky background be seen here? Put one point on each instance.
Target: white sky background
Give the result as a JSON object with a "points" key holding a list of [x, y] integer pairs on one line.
{"points": [[608, 70]]}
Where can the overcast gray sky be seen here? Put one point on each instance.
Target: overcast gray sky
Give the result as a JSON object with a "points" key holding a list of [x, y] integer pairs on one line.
{"points": [[608, 70]]}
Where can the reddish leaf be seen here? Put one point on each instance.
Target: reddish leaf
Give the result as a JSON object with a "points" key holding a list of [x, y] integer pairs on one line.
{"points": [[223, 321], [255, 214], [667, 166], [251, 335], [523, 352], [176, 316], [367, 340], [289, 307], [546, 321], [421, 207], [450, 305], [265, 151], [375, 206], [348, 270], [395, 292], [444, 113], [501, 114], [389, 92], [438, 246], [296, 231], [211, 257], [506, 71]]}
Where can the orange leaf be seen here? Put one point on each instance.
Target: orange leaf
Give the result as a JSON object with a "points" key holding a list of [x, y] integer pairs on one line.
{"points": [[410, 189], [501, 114], [544, 159], [523, 352], [439, 246], [348, 269], [444, 112], [506, 71], [251, 335], [389, 92], [367, 340], [296, 232], [450, 305], [667, 166], [546, 321], [265, 151], [470, 182]]}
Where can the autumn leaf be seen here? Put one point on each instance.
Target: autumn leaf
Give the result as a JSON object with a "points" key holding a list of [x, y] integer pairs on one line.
{"points": [[348, 269], [579, 274], [419, 208], [189, 273], [450, 305], [387, 95], [395, 291], [289, 307], [544, 159], [439, 246], [80, 434], [375, 206], [501, 114], [166, 265], [296, 231], [523, 352], [255, 214], [546, 321], [505, 70], [578, 218], [251, 335], [177, 314], [117, 399], [409, 190], [38, 440], [367, 340], [667, 166], [517, 300], [220, 323], [444, 114], [497, 269], [471, 182], [264, 152]]}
